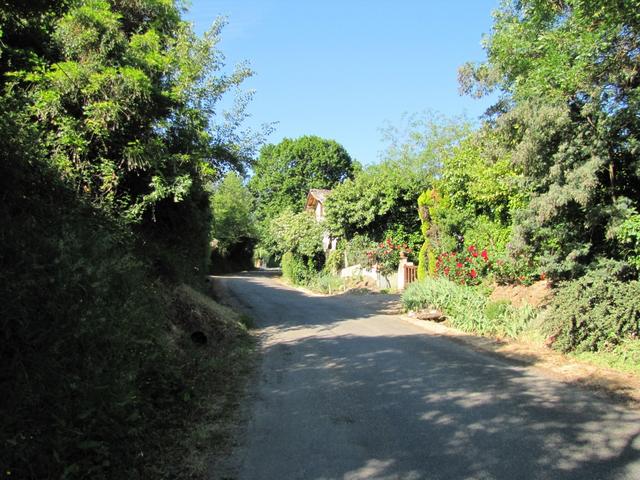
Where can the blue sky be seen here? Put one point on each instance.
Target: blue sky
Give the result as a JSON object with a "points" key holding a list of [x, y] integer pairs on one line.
{"points": [[345, 69]]}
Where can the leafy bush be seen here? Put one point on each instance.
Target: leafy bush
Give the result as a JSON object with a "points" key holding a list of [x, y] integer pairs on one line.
{"points": [[466, 268], [596, 312], [519, 270], [467, 308], [490, 234], [357, 248], [334, 261], [411, 241], [629, 237], [295, 232], [386, 256], [297, 269]]}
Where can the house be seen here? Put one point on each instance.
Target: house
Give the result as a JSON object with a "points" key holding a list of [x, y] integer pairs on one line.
{"points": [[315, 205], [315, 202]]}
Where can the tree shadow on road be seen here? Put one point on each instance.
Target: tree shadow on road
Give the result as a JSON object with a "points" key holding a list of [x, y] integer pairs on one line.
{"points": [[332, 404], [440, 415]]}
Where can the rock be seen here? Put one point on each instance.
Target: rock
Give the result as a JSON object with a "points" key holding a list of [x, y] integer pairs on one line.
{"points": [[431, 314]]}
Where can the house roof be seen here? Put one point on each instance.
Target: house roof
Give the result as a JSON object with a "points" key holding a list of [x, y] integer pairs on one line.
{"points": [[319, 194]]}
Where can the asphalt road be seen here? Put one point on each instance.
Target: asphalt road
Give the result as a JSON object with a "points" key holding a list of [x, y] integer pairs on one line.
{"points": [[347, 391]]}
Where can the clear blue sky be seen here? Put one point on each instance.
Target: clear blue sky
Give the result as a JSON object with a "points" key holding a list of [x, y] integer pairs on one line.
{"points": [[344, 69]]}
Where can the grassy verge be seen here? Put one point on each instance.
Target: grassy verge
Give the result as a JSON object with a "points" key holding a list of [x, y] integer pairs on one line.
{"points": [[468, 309], [330, 284], [215, 374], [624, 357]]}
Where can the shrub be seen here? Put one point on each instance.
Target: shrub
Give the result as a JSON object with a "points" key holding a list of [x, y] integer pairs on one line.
{"points": [[629, 237], [327, 283], [596, 312], [519, 270], [357, 248], [465, 268], [297, 269], [387, 256], [334, 261], [467, 308], [427, 203]]}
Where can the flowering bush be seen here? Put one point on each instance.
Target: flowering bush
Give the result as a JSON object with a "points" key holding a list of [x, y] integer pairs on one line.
{"points": [[386, 256], [466, 267]]}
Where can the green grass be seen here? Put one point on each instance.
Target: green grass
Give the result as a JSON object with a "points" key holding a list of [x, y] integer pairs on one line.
{"points": [[624, 357], [468, 308], [327, 283]]}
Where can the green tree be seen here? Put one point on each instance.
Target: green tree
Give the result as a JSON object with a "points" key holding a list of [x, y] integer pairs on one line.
{"points": [[380, 201], [125, 101], [298, 233], [379, 197], [480, 193], [107, 140], [284, 173], [569, 75], [233, 213]]}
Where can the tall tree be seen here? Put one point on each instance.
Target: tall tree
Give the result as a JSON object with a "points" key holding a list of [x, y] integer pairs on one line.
{"points": [[284, 173], [125, 95], [570, 75], [233, 215]]}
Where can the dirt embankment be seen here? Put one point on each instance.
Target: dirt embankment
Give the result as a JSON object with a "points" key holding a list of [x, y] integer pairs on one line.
{"points": [[536, 295]]}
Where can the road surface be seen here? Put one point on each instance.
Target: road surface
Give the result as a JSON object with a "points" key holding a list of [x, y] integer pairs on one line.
{"points": [[347, 390]]}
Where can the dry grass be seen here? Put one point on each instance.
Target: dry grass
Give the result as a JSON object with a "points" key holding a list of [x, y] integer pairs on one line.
{"points": [[216, 373]]}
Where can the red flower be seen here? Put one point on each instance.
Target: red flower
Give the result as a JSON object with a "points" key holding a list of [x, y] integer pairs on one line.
{"points": [[458, 265], [472, 248], [485, 255], [473, 273], [446, 270], [474, 254]]}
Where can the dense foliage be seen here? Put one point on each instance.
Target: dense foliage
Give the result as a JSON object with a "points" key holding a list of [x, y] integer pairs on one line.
{"points": [[282, 176], [107, 142], [297, 239], [549, 186], [380, 199], [570, 78], [233, 226], [284, 173], [597, 312]]}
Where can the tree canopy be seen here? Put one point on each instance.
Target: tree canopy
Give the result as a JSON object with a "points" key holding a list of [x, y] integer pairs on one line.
{"points": [[570, 112], [381, 199], [233, 212], [284, 173]]}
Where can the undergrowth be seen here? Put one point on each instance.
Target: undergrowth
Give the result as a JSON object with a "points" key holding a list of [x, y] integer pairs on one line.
{"points": [[101, 376], [597, 312]]}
